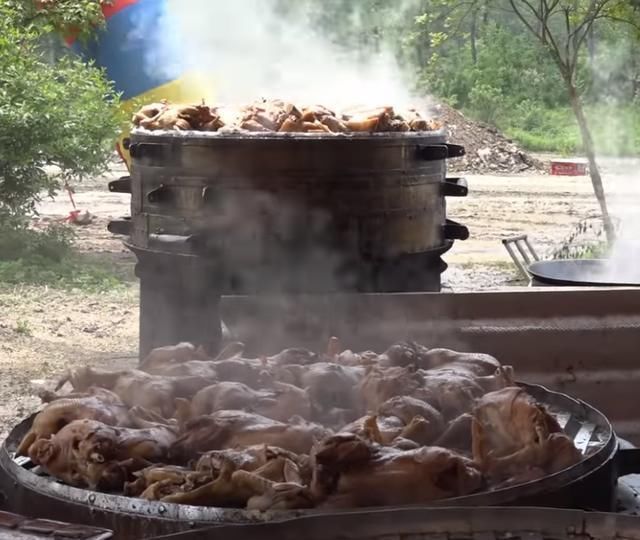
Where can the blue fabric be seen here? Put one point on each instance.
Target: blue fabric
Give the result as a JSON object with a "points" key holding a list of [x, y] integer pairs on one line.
{"points": [[139, 49]]}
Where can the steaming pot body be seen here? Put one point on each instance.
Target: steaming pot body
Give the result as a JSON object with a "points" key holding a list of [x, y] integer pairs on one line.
{"points": [[296, 214]]}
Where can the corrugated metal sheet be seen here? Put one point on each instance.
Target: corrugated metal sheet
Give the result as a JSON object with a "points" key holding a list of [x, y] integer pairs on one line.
{"points": [[583, 342]]}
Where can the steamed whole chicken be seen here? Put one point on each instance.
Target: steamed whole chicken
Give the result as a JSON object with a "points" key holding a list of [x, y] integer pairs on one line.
{"points": [[137, 388], [278, 402], [253, 479], [88, 453], [162, 357], [230, 429], [353, 472], [514, 435], [381, 384], [95, 404], [297, 429], [167, 116]]}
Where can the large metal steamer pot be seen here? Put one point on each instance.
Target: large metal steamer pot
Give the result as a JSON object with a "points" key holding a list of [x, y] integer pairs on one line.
{"points": [[589, 484], [217, 214], [296, 213], [384, 194]]}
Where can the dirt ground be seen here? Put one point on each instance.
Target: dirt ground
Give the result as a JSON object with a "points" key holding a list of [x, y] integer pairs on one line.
{"points": [[45, 331]]}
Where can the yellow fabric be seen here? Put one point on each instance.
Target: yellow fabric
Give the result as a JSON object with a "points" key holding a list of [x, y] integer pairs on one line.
{"points": [[190, 88]]}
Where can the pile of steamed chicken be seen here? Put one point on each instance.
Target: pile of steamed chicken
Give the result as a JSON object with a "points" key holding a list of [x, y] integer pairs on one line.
{"points": [[298, 429], [278, 116]]}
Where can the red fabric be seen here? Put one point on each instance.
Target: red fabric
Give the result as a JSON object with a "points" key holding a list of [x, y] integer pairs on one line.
{"points": [[108, 10], [117, 5]]}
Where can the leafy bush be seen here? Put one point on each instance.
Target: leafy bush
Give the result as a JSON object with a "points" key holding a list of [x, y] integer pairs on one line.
{"points": [[47, 257], [486, 102], [57, 122], [615, 129], [506, 62], [53, 243]]}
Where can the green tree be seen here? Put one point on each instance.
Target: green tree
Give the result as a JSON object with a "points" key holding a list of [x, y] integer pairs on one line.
{"points": [[58, 121], [563, 29]]}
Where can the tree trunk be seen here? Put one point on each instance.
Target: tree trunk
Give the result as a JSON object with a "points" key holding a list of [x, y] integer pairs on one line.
{"points": [[587, 141], [591, 47], [474, 37]]}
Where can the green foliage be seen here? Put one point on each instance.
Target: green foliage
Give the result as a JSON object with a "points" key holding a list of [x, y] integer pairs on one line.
{"points": [[57, 122], [585, 241], [486, 102], [507, 67], [48, 258], [478, 55], [23, 328], [615, 129], [78, 17]]}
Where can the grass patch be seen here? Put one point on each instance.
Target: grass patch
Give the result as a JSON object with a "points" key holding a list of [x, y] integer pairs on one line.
{"points": [[48, 258], [615, 128], [586, 250], [23, 328]]}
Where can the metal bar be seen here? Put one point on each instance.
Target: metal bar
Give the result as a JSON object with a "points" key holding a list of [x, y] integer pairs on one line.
{"points": [[533, 251], [515, 259], [584, 435], [522, 251]]}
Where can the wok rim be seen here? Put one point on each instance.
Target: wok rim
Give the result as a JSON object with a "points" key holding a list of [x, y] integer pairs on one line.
{"points": [[537, 270]]}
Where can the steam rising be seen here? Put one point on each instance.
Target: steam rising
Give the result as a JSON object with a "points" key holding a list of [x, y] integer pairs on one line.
{"points": [[624, 259], [249, 51]]}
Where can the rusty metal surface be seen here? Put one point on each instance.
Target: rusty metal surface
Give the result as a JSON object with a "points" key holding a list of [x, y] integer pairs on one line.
{"points": [[16, 527], [583, 342], [440, 524]]}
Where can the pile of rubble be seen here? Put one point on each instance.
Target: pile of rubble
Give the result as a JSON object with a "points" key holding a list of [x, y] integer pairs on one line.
{"points": [[487, 150]]}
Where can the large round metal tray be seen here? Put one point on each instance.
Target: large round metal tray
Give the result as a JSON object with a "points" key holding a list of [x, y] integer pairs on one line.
{"points": [[590, 483], [442, 524]]}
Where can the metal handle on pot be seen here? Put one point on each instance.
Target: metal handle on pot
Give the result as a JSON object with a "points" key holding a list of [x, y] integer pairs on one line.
{"points": [[453, 230], [148, 150], [171, 239], [628, 461], [455, 187], [161, 194], [435, 152], [122, 185], [455, 150], [211, 197], [120, 226]]}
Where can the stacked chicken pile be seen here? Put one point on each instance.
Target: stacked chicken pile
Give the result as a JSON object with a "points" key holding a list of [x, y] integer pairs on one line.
{"points": [[298, 429], [278, 116]]}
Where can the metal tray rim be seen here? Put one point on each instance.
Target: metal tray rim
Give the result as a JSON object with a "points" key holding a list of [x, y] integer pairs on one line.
{"points": [[172, 511]]}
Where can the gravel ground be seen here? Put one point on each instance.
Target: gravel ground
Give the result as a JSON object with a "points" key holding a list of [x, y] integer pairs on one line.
{"points": [[44, 331]]}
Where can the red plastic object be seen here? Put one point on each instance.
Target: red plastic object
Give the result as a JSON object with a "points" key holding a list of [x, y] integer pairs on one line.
{"points": [[568, 168]]}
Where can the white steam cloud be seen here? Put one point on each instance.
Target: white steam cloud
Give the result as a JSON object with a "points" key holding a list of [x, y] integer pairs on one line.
{"points": [[625, 254], [251, 52]]}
